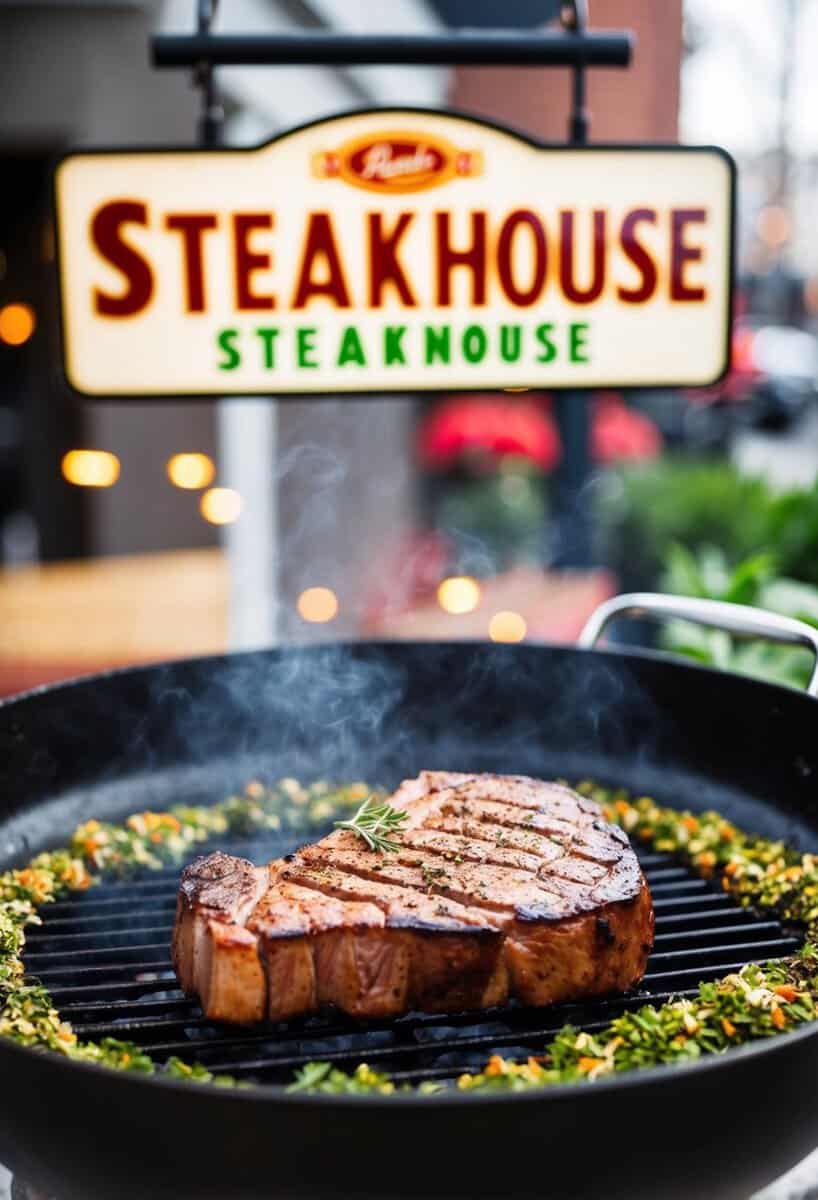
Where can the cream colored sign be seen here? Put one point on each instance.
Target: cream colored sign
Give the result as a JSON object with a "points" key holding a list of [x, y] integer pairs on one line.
{"points": [[394, 251]]}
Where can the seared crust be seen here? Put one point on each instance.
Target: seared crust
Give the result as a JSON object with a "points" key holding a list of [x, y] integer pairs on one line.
{"points": [[503, 886]]}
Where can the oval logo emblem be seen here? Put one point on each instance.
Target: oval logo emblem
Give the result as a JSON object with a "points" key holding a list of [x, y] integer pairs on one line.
{"points": [[396, 162]]}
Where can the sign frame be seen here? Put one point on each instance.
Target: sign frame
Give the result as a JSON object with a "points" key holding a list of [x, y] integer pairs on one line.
{"points": [[400, 388]]}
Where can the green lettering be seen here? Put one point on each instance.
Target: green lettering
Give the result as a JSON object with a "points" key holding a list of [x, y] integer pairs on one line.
{"points": [[351, 350], [232, 358], [392, 348], [543, 336], [511, 341], [577, 341], [475, 343], [268, 337], [438, 344], [305, 346]]}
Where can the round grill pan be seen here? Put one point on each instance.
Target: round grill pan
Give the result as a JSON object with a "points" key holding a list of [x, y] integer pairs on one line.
{"points": [[197, 730]]}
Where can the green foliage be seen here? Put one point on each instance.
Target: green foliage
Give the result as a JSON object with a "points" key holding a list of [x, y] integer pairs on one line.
{"points": [[708, 575], [504, 511], [792, 532], [642, 510]]}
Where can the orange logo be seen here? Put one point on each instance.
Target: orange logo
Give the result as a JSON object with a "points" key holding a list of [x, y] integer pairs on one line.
{"points": [[396, 162]]}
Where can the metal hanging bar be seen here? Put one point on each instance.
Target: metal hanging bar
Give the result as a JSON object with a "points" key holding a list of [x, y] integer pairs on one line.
{"points": [[572, 409], [211, 120], [497, 47]]}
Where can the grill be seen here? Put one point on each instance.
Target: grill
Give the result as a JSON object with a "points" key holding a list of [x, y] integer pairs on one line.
{"points": [[152, 737], [105, 957]]}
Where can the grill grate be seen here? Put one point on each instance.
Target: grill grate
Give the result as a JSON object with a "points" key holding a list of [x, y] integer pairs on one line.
{"points": [[104, 955]]}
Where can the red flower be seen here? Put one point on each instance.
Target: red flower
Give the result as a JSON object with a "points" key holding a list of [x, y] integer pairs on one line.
{"points": [[619, 432], [489, 425], [495, 426]]}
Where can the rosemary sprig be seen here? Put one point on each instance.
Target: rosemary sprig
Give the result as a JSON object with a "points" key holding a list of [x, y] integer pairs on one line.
{"points": [[374, 821]]}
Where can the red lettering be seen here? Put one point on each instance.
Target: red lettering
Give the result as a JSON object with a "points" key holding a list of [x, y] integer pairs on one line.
{"points": [[473, 258], [594, 290], [192, 227], [681, 253], [639, 256], [384, 265], [521, 217], [249, 261], [320, 243], [107, 238]]}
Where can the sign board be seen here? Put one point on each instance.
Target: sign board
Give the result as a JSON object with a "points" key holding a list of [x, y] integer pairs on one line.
{"points": [[394, 251]]}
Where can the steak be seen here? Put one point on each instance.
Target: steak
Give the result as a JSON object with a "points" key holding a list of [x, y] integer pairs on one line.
{"points": [[501, 887]]}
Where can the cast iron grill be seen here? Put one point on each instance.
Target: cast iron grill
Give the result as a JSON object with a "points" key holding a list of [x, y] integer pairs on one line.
{"points": [[104, 955]]}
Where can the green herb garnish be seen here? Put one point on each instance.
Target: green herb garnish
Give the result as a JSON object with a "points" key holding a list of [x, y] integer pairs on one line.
{"points": [[374, 821]]}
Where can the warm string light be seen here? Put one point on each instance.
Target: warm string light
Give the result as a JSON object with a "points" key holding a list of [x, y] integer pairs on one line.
{"points": [[507, 626], [317, 605], [220, 505], [458, 594], [191, 471], [90, 468], [17, 324]]}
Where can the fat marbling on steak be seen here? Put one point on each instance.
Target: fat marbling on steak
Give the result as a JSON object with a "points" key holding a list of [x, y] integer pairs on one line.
{"points": [[502, 887]]}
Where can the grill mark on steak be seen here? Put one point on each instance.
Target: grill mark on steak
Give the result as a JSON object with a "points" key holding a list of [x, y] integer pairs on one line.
{"points": [[456, 849], [500, 812], [499, 889], [476, 905], [499, 835]]}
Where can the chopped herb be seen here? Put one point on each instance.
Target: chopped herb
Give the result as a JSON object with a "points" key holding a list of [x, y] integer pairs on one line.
{"points": [[432, 875]]}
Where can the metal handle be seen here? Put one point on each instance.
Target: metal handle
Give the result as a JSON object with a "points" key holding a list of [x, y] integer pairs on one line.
{"points": [[738, 619]]}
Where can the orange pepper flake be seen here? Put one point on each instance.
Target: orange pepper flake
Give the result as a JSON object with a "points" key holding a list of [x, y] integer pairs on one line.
{"points": [[646, 832], [787, 992], [587, 1064], [726, 832], [728, 1027], [156, 837], [690, 823], [778, 1015], [495, 1065], [731, 868]]}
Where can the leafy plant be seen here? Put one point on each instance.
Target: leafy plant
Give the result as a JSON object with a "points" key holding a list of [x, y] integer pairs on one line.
{"points": [[708, 575], [642, 511]]}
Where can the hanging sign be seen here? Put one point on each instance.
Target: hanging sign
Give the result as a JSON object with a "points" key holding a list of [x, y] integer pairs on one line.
{"points": [[394, 251]]}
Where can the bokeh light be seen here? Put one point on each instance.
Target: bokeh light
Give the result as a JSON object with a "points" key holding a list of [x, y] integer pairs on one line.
{"points": [[774, 225], [220, 505], [191, 471], [317, 605], [17, 323], [507, 626], [90, 468], [458, 594]]}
